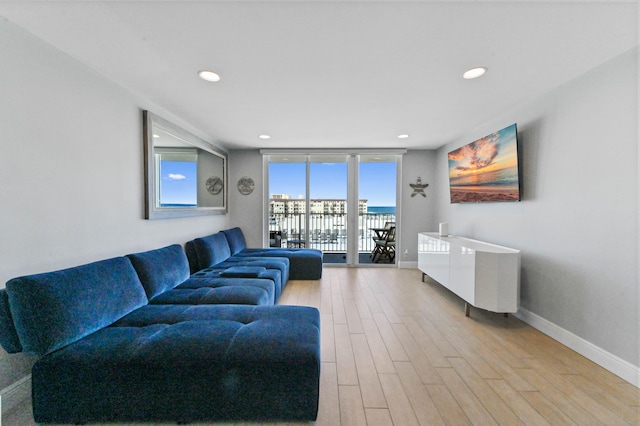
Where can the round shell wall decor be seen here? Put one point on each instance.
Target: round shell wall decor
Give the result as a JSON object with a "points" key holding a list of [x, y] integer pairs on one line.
{"points": [[214, 185], [246, 185]]}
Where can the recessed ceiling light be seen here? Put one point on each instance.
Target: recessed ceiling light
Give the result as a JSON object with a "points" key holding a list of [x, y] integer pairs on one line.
{"points": [[474, 73], [403, 136], [209, 75], [264, 137]]}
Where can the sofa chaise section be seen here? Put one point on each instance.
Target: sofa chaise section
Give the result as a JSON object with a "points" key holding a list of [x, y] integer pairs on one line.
{"points": [[304, 263], [198, 363]]}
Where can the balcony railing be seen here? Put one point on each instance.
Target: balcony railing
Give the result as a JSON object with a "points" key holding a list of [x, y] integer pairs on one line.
{"points": [[327, 232]]}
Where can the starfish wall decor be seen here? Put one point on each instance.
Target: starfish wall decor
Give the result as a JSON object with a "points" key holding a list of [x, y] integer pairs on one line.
{"points": [[418, 188]]}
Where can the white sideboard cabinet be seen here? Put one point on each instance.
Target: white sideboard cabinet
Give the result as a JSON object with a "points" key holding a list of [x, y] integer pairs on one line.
{"points": [[484, 275]]}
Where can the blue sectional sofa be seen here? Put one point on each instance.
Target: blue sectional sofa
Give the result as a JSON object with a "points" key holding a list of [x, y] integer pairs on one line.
{"points": [[139, 339]]}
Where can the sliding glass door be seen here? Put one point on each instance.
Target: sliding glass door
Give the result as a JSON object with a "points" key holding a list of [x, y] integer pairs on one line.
{"points": [[328, 206], [336, 203], [377, 183], [288, 200]]}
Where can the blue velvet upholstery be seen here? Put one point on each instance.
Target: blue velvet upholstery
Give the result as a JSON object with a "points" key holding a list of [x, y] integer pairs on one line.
{"points": [[304, 264], [187, 364], [238, 295], [172, 314], [269, 274], [9, 339], [55, 309], [236, 240], [150, 343], [164, 269], [280, 263], [214, 251], [190, 251], [161, 269], [267, 285], [243, 271], [211, 250]]}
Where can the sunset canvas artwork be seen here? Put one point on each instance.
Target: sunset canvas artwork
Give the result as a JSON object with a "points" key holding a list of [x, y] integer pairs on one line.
{"points": [[486, 169]]}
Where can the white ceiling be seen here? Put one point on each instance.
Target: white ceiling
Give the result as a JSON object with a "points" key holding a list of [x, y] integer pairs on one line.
{"points": [[334, 74]]}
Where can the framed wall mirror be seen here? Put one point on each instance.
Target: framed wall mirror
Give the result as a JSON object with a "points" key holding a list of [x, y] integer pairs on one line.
{"points": [[184, 175]]}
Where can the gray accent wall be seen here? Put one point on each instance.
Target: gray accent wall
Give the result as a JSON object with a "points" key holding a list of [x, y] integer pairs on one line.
{"points": [[246, 211], [577, 225], [417, 213]]}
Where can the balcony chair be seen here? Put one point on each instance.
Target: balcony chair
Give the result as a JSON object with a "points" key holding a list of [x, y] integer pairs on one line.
{"points": [[385, 248]]}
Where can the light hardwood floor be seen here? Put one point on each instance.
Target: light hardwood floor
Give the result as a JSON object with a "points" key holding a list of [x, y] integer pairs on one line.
{"points": [[397, 351]]}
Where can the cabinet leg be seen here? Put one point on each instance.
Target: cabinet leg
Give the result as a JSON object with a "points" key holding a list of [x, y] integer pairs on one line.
{"points": [[423, 274], [467, 309]]}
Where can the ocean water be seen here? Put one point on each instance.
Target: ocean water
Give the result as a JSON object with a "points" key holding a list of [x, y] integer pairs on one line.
{"points": [[504, 177], [176, 205], [381, 209]]}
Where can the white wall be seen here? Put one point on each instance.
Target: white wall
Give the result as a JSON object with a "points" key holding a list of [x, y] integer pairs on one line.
{"points": [[577, 225], [71, 168]]}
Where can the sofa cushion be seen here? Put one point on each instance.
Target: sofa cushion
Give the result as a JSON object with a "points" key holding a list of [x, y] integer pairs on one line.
{"points": [[190, 251], [265, 284], [243, 272], [211, 250], [8, 335], [173, 314], [53, 309], [268, 274], [236, 240], [161, 269], [236, 295], [280, 263]]}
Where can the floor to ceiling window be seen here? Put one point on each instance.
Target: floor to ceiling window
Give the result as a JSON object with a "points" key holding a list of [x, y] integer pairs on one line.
{"points": [[377, 184], [287, 200], [328, 209], [341, 203]]}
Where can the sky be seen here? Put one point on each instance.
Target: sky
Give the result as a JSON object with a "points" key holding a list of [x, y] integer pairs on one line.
{"points": [[496, 151], [377, 181], [328, 180], [178, 184]]}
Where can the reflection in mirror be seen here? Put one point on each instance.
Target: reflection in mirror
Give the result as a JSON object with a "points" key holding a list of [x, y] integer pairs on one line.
{"points": [[185, 176]]}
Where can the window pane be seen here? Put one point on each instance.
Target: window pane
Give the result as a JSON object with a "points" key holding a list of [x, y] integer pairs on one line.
{"points": [[287, 200]]}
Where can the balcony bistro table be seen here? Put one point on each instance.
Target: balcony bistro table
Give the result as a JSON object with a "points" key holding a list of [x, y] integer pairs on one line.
{"points": [[381, 233]]}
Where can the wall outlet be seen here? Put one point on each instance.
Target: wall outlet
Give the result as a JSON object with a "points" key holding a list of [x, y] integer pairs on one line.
{"points": [[406, 252]]}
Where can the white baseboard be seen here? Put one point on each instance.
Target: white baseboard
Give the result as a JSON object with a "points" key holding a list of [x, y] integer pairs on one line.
{"points": [[616, 365], [408, 264], [14, 394]]}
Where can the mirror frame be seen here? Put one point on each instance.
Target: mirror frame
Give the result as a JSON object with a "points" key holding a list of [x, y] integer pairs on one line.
{"points": [[151, 122]]}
